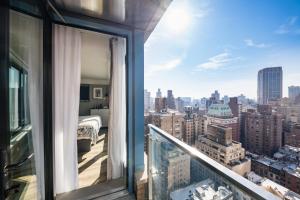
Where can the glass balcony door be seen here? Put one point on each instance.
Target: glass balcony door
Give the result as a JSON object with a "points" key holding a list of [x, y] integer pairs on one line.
{"points": [[22, 141]]}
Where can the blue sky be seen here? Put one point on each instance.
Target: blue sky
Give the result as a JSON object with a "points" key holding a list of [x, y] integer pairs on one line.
{"points": [[203, 45]]}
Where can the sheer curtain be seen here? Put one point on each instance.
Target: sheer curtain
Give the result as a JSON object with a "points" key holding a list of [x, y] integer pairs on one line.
{"points": [[26, 49], [67, 63], [117, 107]]}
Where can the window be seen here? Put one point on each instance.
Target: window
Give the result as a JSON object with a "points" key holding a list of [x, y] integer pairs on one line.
{"points": [[18, 98]]}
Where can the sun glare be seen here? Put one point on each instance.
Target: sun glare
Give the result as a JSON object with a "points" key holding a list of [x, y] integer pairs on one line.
{"points": [[178, 20]]}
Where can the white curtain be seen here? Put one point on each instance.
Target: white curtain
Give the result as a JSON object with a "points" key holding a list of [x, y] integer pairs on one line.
{"points": [[26, 49], [67, 63], [117, 107]]}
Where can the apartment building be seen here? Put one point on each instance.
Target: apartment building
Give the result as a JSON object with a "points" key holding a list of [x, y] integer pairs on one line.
{"points": [[160, 104], [217, 143], [171, 122], [282, 168], [263, 130], [292, 135], [171, 100], [221, 114]]}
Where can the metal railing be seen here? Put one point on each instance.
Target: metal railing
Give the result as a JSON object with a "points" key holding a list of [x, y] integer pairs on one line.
{"points": [[176, 170]]}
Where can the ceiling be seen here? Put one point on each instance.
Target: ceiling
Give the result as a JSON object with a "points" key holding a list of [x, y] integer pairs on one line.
{"points": [[95, 56], [139, 14]]}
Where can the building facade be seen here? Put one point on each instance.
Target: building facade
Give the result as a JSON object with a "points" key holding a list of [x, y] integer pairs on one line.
{"points": [[283, 168], [221, 114], [292, 136], [294, 91], [269, 84], [171, 100], [147, 101], [263, 130], [161, 104], [217, 143], [158, 93]]}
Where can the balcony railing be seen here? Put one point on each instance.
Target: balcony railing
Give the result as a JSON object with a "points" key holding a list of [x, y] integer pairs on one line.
{"points": [[179, 171]]}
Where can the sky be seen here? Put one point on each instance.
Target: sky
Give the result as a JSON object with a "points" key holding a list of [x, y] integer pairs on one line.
{"points": [[204, 45]]}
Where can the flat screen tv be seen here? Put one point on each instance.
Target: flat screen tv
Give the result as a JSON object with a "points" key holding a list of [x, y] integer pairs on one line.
{"points": [[84, 93]]}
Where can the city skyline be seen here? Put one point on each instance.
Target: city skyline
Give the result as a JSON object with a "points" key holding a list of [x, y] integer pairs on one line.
{"points": [[222, 61]]}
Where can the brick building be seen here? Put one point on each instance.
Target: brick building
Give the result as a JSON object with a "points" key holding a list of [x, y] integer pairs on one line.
{"points": [[263, 130]]}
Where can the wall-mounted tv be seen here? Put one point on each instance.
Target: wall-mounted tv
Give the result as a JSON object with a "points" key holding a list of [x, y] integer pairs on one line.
{"points": [[84, 92]]}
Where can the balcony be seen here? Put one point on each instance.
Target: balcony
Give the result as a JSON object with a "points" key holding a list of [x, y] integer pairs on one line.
{"points": [[178, 171]]}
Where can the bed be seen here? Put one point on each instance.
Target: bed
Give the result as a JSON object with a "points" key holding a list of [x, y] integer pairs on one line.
{"points": [[87, 132]]}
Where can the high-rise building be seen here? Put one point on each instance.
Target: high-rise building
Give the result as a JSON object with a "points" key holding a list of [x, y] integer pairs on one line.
{"points": [[263, 130], [221, 114], [225, 99], [292, 136], [294, 91], [269, 85], [190, 125], [173, 167], [234, 106], [158, 93], [187, 101], [179, 105], [171, 100], [242, 99], [161, 104], [178, 170], [216, 95], [171, 122], [147, 103], [217, 143]]}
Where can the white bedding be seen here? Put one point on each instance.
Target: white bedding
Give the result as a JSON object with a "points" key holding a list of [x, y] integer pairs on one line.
{"points": [[88, 127]]}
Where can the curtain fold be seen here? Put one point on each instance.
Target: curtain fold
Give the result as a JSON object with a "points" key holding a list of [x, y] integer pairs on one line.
{"points": [[117, 106], [66, 85], [34, 60]]}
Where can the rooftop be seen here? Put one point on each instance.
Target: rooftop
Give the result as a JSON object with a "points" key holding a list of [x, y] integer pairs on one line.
{"points": [[273, 187], [203, 190], [220, 110]]}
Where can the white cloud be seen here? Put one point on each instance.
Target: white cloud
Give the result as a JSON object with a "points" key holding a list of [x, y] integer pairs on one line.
{"points": [[217, 61], [251, 43], [166, 66], [289, 27]]}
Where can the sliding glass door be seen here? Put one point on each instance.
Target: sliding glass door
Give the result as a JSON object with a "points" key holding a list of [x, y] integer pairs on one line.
{"points": [[89, 120], [22, 141]]}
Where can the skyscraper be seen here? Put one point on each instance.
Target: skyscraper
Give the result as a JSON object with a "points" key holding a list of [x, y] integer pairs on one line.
{"points": [[171, 100], [294, 91], [146, 101], [234, 106], [179, 104], [216, 95], [269, 84], [158, 93]]}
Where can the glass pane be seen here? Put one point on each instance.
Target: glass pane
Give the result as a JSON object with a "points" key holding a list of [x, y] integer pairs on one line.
{"points": [[14, 82], [25, 157], [176, 174]]}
